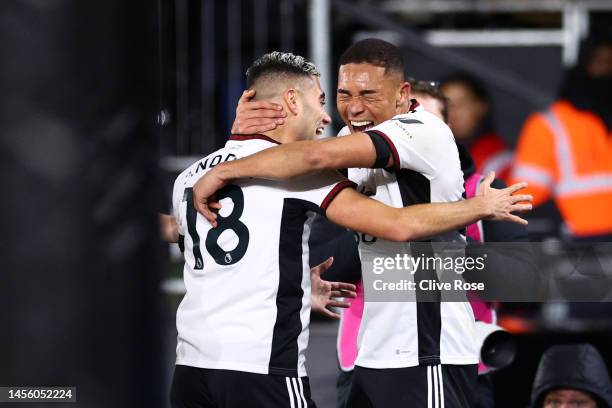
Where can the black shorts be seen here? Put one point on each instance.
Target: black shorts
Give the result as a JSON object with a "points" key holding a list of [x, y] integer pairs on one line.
{"points": [[205, 388], [439, 386]]}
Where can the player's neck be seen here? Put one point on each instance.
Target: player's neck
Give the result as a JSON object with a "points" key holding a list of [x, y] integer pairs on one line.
{"points": [[282, 134], [403, 108]]}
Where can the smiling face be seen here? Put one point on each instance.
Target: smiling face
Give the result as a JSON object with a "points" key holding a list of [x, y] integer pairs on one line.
{"points": [[312, 117], [367, 95]]}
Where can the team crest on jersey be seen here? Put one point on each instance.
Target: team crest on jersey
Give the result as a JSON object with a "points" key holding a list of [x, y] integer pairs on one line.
{"points": [[228, 258]]}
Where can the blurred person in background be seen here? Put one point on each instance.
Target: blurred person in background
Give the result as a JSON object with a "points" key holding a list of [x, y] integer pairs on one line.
{"points": [[572, 376], [428, 94], [469, 117], [565, 152]]}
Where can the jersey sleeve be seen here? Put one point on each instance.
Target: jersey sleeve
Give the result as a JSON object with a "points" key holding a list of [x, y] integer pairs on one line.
{"points": [[408, 141], [320, 189]]}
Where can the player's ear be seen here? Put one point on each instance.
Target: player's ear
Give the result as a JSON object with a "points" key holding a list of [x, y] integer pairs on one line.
{"points": [[291, 97], [403, 94]]}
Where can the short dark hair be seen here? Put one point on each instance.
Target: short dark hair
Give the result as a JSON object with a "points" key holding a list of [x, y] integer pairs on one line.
{"points": [[376, 52], [277, 62], [473, 84]]}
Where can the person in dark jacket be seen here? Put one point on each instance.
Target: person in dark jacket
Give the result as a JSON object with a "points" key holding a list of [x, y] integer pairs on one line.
{"points": [[572, 376]]}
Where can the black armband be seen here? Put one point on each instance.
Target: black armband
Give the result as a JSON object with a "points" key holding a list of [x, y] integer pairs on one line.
{"points": [[383, 151]]}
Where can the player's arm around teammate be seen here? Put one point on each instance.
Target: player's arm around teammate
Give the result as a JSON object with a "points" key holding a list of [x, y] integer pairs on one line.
{"points": [[353, 210], [416, 222]]}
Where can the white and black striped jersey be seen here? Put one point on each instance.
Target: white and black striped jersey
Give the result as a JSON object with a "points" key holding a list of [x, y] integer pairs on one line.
{"points": [[426, 170], [247, 305]]}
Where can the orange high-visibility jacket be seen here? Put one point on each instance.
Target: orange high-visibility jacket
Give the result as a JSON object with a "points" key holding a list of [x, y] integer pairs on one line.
{"points": [[566, 154]]}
